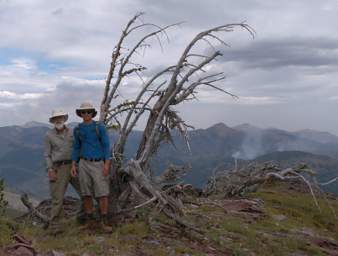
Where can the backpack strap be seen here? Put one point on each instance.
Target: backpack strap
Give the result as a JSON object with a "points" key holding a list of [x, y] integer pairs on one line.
{"points": [[98, 134], [77, 132], [97, 130]]}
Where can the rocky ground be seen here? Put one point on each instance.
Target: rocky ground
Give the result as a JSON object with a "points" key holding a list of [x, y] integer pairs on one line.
{"points": [[278, 219]]}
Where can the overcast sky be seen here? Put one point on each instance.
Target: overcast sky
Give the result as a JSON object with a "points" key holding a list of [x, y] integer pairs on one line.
{"points": [[56, 54]]}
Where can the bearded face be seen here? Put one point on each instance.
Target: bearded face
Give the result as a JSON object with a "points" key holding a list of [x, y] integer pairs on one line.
{"points": [[59, 122]]}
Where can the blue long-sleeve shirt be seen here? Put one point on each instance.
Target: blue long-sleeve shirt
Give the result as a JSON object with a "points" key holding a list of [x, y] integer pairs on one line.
{"points": [[90, 143]]}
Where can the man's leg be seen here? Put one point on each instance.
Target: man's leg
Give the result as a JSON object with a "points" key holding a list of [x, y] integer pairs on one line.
{"points": [[101, 191], [75, 182], [58, 189], [103, 204], [89, 210], [88, 205], [86, 191], [56, 200], [104, 222]]}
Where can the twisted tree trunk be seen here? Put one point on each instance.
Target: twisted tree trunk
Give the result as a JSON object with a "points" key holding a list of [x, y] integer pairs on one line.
{"points": [[157, 97]]}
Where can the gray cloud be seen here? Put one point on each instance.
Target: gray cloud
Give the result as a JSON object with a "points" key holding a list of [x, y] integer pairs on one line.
{"points": [[285, 77], [284, 52], [68, 94]]}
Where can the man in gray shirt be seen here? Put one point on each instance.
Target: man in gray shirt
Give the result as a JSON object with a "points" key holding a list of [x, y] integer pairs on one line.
{"points": [[58, 150]]}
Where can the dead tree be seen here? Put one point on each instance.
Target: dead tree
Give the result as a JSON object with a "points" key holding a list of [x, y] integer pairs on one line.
{"points": [[155, 100], [234, 183]]}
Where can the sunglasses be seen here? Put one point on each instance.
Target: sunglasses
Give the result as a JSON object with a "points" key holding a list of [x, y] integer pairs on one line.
{"points": [[86, 112]]}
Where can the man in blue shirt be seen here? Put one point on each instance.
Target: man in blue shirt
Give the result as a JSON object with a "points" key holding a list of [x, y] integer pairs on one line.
{"points": [[91, 150]]}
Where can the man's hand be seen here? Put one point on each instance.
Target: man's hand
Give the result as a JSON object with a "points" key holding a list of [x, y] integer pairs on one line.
{"points": [[106, 168], [52, 175], [73, 171]]}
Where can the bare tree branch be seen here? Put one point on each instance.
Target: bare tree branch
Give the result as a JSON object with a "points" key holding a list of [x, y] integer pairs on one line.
{"points": [[328, 182], [158, 96]]}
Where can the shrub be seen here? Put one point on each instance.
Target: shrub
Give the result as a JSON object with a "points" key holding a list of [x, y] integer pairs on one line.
{"points": [[3, 202]]}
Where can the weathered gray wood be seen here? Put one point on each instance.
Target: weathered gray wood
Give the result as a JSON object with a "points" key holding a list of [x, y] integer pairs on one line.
{"points": [[157, 96]]}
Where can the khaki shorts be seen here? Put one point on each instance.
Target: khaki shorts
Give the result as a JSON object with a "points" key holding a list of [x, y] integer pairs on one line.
{"points": [[92, 181]]}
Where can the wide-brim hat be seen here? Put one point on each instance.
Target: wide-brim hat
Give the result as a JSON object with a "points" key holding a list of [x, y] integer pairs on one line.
{"points": [[58, 113], [86, 106]]}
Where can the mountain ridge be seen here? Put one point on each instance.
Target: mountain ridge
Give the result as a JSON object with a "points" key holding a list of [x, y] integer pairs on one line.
{"points": [[21, 151]]}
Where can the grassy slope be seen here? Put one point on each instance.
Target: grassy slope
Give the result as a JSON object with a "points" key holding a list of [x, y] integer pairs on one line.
{"points": [[225, 233]]}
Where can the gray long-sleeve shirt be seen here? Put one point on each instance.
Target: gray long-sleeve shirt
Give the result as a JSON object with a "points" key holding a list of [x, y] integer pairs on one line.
{"points": [[58, 146]]}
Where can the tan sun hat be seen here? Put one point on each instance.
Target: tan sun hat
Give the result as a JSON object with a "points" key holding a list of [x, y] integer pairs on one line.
{"points": [[86, 106], [57, 113]]}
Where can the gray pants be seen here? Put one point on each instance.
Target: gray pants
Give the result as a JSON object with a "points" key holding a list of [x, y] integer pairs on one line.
{"points": [[92, 181], [58, 189]]}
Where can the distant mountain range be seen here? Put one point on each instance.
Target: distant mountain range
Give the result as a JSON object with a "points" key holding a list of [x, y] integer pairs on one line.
{"points": [[214, 148], [35, 124]]}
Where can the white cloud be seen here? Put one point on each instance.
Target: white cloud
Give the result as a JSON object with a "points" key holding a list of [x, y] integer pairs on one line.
{"points": [[15, 96], [259, 100], [82, 83], [58, 52], [23, 76], [24, 63]]}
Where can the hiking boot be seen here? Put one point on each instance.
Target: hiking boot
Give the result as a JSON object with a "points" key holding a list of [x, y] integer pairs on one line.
{"points": [[104, 227], [81, 218], [90, 222], [104, 224]]}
